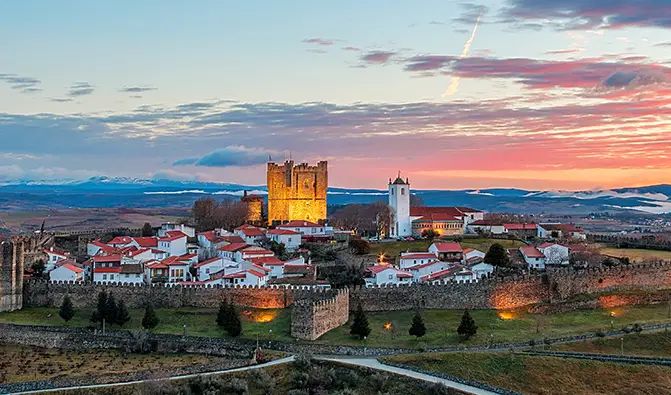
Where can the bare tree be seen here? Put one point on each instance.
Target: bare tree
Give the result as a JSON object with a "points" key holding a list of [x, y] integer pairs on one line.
{"points": [[209, 214], [364, 219]]}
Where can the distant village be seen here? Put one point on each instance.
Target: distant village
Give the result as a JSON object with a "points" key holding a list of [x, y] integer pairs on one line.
{"points": [[269, 249]]}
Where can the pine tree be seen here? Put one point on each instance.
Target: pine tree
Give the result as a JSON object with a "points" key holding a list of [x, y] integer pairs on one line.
{"points": [[121, 317], [234, 325], [417, 329], [222, 314], [150, 320], [99, 312], [110, 312], [67, 310], [497, 256], [360, 324], [467, 327]]}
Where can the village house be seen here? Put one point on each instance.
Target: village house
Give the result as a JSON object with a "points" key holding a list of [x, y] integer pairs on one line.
{"points": [[560, 231], [523, 231], [53, 256], [290, 238], [272, 263], [410, 259], [168, 227], [131, 273], [178, 270], [249, 252], [67, 271], [472, 256], [481, 270], [555, 254], [448, 251], [156, 272], [422, 270], [228, 251], [455, 273], [106, 268], [387, 275], [173, 243], [484, 226], [207, 267], [533, 257], [308, 230], [253, 276], [250, 234]]}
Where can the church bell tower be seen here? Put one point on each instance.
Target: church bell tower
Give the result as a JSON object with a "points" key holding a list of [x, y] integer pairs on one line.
{"points": [[399, 202]]}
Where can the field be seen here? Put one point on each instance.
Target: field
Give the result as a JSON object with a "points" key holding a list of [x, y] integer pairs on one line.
{"points": [[545, 375], [493, 326], [647, 344], [394, 248], [636, 255], [25, 363], [266, 324]]}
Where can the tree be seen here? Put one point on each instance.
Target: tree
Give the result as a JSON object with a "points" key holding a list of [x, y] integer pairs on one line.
{"points": [[417, 329], [110, 312], [234, 326], [360, 324], [147, 230], [67, 310], [209, 214], [150, 320], [497, 256], [122, 316], [279, 249], [359, 246], [222, 314], [99, 312], [430, 234], [467, 327], [38, 268]]}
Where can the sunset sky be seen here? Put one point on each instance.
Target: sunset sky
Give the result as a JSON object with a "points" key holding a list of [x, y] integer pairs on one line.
{"points": [[537, 94]]}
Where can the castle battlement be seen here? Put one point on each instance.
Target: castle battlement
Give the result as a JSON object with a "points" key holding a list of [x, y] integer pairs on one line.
{"points": [[297, 191]]}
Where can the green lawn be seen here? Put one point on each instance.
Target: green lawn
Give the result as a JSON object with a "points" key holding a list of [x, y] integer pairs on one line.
{"points": [[441, 326], [394, 248], [544, 375], [648, 344], [636, 255], [199, 322]]}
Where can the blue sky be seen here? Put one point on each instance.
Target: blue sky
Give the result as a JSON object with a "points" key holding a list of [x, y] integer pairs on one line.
{"points": [[159, 88]]}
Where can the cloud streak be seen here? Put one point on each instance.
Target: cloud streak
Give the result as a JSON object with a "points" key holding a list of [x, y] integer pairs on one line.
{"points": [[21, 83], [80, 89]]}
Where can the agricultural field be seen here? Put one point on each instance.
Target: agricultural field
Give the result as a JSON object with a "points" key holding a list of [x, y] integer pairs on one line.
{"points": [[645, 344], [636, 255], [272, 324], [26, 363], [544, 375]]}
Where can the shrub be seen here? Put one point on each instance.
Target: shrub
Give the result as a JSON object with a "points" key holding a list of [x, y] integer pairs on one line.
{"points": [[360, 325], [359, 246], [417, 329], [600, 334], [150, 320], [263, 381], [637, 328]]}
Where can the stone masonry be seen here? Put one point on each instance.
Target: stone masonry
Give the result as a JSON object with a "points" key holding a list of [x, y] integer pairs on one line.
{"points": [[17, 254], [312, 318], [297, 192]]}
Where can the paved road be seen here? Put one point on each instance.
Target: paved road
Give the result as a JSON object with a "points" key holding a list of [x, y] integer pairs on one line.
{"points": [[186, 376], [375, 364]]}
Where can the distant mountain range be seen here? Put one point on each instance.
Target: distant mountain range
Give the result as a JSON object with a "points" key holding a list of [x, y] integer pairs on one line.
{"points": [[106, 192]]}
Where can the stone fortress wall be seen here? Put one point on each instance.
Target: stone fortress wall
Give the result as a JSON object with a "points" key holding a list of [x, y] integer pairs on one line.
{"points": [[297, 192], [15, 254], [312, 318]]}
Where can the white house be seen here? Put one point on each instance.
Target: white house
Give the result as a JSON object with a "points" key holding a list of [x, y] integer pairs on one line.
{"points": [[174, 243], [255, 276], [456, 273], [481, 270], [106, 268], [137, 255], [290, 238], [560, 231], [250, 234], [178, 270], [533, 257], [447, 251], [228, 251], [251, 252], [485, 226], [555, 254], [275, 265], [131, 274], [387, 274], [419, 271], [54, 255], [67, 272], [168, 227], [307, 228], [471, 255], [409, 259], [121, 241], [98, 247], [208, 267]]}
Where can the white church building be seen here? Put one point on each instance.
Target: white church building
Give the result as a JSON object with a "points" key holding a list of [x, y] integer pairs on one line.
{"points": [[413, 221]]}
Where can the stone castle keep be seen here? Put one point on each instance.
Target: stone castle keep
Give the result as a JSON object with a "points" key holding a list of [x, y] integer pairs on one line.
{"points": [[297, 192], [17, 254]]}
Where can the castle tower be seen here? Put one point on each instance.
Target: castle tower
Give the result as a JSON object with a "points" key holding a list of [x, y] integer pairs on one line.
{"points": [[400, 224], [297, 192], [254, 206]]}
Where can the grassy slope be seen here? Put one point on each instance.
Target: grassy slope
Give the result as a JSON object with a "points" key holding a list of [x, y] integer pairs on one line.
{"points": [[200, 322], [545, 375], [635, 254], [648, 344], [441, 326], [394, 249]]}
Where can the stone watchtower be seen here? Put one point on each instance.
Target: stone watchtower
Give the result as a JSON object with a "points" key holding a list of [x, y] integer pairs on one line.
{"points": [[297, 192], [17, 254], [254, 206]]}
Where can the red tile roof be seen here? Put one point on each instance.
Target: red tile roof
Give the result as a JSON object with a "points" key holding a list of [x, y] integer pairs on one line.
{"points": [[282, 232], [531, 252], [146, 242], [441, 213], [423, 265], [207, 262], [520, 226], [107, 258], [380, 268], [116, 269], [448, 247], [252, 231], [267, 260], [121, 240], [233, 247], [442, 274], [72, 267], [173, 235], [419, 255]]}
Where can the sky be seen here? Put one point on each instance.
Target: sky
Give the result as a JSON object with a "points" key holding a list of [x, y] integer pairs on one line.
{"points": [[535, 94]]}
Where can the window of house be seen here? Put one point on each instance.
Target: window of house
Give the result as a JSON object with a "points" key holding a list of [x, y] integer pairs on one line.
{"points": [[104, 276], [402, 191], [391, 276], [111, 276]]}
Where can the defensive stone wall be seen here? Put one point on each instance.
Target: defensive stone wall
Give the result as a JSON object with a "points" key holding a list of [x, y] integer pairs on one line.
{"points": [[312, 318], [44, 293], [17, 254]]}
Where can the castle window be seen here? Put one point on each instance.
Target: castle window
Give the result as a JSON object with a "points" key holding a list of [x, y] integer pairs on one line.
{"points": [[392, 191], [402, 191]]}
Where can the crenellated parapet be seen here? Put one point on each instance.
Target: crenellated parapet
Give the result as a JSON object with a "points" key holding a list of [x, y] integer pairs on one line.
{"points": [[310, 319]]}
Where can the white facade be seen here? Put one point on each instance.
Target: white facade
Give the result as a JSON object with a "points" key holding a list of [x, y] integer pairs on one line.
{"points": [[291, 239], [307, 228], [209, 267], [555, 254], [410, 259], [419, 271], [66, 272], [106, 275], [470, 253], [173, 246], [169, 227], [533, 257], [388, 275], [399, 202], [178, 271], [482, 270]]}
